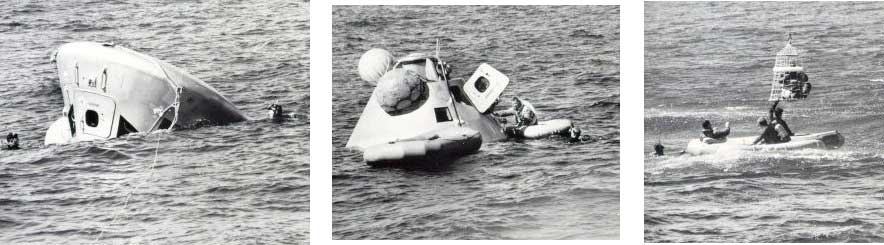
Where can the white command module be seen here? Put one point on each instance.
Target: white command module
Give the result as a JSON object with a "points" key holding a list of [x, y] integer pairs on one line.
{"points": [[416, 115], [110, 91]]}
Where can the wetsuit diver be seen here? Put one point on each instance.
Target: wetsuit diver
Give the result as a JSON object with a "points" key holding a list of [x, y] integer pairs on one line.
{"points": [[574, 135], [524, 116], [658, 149], [277, 113], [776, 117], [12, 141], [523, 111], [716, 133], [768, 135]]}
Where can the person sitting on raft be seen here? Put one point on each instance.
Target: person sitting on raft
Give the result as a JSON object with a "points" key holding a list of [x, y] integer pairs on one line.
{"points": [[769, 133], [715, 135], [523, 111], [776, 117]]}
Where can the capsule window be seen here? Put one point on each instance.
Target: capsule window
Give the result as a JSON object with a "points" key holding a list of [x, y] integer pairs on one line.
{"points": [[91, 118], [481, 84], [442, 114], [166, 120], [165, 124]]}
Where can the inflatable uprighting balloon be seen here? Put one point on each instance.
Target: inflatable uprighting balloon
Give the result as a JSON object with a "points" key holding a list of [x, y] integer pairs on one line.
{"points": [[401, 91], [374, 63]]}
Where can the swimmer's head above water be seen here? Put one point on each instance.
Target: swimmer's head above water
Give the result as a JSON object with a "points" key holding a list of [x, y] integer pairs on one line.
{"points": [[575, 132], [12, 141], [658, 149], [274, 110]]}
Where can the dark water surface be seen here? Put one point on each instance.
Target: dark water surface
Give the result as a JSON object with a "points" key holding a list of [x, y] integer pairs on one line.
{"points": [[564, 59], [713, 61], [240, 183]]}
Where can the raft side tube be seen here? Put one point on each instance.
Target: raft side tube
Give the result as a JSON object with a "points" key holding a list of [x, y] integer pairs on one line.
{"points": [[542, 129]]}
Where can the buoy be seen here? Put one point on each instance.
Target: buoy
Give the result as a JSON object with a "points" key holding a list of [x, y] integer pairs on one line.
{"points": [[374, 63], [401, 91]]}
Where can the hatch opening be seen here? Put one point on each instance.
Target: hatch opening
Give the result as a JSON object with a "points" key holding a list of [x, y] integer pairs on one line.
{"points": [[91, 118]]}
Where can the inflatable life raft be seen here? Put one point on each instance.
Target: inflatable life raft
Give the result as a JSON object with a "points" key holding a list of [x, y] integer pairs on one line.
{"points": [[425, 150], [542, 129], [825, 140]]}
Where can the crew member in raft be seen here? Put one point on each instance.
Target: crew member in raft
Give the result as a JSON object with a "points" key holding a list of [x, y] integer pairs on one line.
{"points": [[776, 117], [523, 111], [716, 133], [769, 133]]}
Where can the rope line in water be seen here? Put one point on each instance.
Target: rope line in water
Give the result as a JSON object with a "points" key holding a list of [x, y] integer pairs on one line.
{"points": [[129, 195]]}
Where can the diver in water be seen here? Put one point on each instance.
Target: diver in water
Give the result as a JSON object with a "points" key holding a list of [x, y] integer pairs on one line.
{"points": [[277, 113], [574, 135], [523, 111], [769, 134], [12, 141], [658, 149], [776, 117], [716, 133], [275, 110]]}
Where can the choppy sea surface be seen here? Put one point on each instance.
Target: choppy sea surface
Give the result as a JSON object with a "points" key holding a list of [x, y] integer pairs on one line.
{"points": [[713, 61], [564, 59], [240, 183]]}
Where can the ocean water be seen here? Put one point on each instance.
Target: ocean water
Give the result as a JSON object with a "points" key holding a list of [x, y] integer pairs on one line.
{"points": [[713, 61], [240, 183], [564, 59]]}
